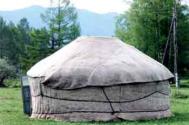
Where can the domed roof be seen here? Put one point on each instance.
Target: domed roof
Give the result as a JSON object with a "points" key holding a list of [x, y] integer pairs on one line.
{"points": [[97, 61]]}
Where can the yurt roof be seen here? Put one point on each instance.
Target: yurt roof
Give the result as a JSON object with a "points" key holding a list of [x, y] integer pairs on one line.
{"points": [[97, 61]]}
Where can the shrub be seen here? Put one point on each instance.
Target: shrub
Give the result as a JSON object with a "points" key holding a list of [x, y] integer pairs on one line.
{"points": [[13, 83], [6, 71], [179, 95]]}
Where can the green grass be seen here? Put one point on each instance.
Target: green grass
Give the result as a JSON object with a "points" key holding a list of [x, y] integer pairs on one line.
{"points": [[11, 111]]}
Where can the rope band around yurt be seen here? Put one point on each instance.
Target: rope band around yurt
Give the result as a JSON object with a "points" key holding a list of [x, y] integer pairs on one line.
{"points": [[108, 100], [103, 90]]}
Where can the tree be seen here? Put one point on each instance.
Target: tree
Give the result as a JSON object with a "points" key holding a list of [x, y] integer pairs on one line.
{"points": [[24, 29], [37, 49], [6, 71], [183, 39], [3, 39], [62, 22], [146, 26], [24, 40], [9, 42]]}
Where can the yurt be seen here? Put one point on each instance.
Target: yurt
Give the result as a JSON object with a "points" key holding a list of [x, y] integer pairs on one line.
{"points": [[99, 79]]}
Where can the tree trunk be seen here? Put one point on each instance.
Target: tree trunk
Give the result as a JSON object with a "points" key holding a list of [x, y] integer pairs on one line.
{"points": [[1, 82]]}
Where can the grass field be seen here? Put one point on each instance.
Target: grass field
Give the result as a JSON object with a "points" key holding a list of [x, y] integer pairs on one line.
{"points": [[11, 110]]}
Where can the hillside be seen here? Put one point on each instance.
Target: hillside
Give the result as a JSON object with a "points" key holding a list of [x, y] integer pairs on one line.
{"points": [[91, 23]]}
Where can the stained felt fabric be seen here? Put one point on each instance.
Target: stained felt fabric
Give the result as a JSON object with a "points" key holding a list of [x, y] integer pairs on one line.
{"points": [[99, 79], [129, 102], [97, 61]]}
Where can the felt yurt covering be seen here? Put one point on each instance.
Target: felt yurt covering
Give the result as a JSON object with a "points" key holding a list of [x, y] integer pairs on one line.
{"points": [[99, 79]]}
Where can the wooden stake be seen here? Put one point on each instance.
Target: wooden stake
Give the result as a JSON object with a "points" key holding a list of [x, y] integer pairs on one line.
{"points": [[175, 43]]}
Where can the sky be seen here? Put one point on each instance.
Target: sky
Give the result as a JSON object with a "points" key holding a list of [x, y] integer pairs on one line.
{"points": [[98, 6], [185, 2]]}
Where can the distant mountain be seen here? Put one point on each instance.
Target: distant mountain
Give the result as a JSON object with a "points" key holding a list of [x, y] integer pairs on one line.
{"points": [[91, 23], [31, 13]]}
